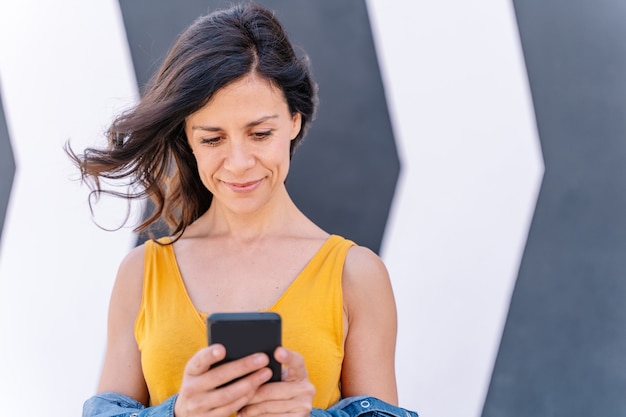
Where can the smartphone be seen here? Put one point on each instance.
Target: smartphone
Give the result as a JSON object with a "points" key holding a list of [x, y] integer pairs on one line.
{"points": [[243, 334]]}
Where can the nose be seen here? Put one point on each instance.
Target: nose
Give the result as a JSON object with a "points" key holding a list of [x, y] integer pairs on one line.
{"points": [[239, 157]]}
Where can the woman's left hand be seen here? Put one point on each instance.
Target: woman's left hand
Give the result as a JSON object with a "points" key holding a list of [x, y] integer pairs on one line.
{"points": [[292, 396]]}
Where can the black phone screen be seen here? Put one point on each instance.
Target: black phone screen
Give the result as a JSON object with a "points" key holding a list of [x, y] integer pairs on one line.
{"points": [[243, 334]]}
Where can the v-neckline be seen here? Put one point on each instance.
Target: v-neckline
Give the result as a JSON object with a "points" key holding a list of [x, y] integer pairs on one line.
{"points": [[202, 316]]}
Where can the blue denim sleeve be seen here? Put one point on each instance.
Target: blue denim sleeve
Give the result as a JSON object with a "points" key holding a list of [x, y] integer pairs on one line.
{"points": [[112, 404], [363, 406]]}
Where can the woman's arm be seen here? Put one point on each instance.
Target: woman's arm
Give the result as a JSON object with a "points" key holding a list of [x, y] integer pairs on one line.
{"points": [[370, 309], [122, 372]]}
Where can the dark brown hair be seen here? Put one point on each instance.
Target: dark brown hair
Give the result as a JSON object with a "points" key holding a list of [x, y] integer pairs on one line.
{"points": [[148, 146]]}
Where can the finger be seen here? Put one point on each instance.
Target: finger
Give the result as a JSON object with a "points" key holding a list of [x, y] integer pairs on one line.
{"points": [[295, 406], [227, 372], [237, 394], [204, 358], [283, 391], [266, 407], [223, 401], [294, 368], [246, 385]]}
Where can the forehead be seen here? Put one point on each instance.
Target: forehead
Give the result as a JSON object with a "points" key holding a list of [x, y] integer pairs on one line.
{"points": [[251, 87], [249, 96]]}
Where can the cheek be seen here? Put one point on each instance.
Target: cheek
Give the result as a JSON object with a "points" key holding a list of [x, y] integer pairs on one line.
{"points": [[206, 169], [283, 162], [279, 157]]}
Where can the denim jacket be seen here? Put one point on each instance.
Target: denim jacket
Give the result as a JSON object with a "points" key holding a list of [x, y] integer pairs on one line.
{"points": [[111, 404], [363, 406]]}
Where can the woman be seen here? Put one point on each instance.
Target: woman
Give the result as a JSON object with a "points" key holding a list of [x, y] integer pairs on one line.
{"points": [[210, 143]]}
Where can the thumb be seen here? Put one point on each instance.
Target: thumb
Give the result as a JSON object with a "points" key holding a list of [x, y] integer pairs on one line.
{"points": [[294, 368]]}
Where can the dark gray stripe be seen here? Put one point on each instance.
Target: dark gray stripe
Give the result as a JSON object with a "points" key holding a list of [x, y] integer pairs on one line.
{"points": [[7, 167], [563, 350], [344, 174]]}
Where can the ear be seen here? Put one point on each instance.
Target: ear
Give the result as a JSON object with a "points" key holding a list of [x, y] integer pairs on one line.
{"points": [[296, 125]]}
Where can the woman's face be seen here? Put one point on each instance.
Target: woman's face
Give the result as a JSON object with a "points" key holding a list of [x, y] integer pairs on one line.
{"points": [[241, 141]]}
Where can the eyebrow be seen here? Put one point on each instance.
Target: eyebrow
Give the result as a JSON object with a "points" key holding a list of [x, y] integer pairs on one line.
{"points": [[248, 125]]}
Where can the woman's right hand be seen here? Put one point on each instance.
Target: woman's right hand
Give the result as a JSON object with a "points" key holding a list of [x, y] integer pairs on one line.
{"points": [[199, 395]]}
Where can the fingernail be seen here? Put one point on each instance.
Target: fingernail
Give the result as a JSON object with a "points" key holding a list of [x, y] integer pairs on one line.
{"points": [[260, 359], [280, 353], [215, 351]]}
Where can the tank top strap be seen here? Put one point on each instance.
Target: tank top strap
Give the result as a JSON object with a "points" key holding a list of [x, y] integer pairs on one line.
{"points": [[168, 329], [164, 291], [312, 311]]}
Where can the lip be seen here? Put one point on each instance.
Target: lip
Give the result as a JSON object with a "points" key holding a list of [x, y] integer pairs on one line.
{"points": [[243, 187]]}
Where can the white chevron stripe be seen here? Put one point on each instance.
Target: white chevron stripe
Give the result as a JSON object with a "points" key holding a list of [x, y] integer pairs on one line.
{"points": [[471, 169], [65, 68]]}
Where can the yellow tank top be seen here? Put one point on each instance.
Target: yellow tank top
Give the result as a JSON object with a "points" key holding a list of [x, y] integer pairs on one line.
{"points": [[169, 329]]}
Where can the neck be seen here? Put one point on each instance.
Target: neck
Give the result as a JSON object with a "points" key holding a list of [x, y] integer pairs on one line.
{"points": [[276, 217]]}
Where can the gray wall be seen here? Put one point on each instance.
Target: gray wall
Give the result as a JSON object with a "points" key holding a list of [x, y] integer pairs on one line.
{"points": [[563, 351], [7, 167]]}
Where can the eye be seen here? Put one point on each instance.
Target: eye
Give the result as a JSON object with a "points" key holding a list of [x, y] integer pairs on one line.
{"points": [[262, 135], [211, 141]]}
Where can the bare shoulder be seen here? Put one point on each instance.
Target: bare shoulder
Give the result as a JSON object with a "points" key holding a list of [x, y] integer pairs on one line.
{"points": [[129, 281], [363, 267], [133, 260], [131, 266], [365, 277]]}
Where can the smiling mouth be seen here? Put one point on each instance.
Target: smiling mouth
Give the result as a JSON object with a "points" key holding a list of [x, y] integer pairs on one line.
{"points": [[243, 187]]}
